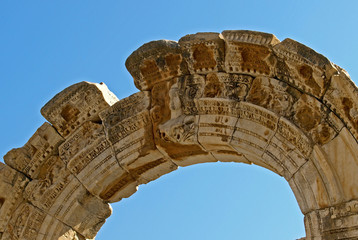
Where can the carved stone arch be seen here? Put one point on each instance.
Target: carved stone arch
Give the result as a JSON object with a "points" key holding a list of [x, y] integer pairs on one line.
{"points": [[239, 96]]}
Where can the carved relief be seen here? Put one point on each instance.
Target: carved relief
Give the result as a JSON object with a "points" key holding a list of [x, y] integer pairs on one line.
{"points": [[336, 222], [224, 85], [60, 194], [302, 67], [31, 159], [341, 99], [204, 52], [254, 129], [27, 222], [315, 119], [12, 184], [273, 94], [77, 104], [289, 147], [245, 52], [238, 96], [125, 108], [190, 89], [155, 62]]}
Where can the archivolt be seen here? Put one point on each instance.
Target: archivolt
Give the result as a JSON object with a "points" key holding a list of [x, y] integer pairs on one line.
{"points": [[238, 96]]}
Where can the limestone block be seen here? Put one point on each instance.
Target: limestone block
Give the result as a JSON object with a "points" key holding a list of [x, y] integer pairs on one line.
{"points": [[273, 94], [216, 122], [215, 129], [155, 62], [289, 147], [254, 130], [315, 120], [77, 104], [30, 223], [61, 195], [302, 67], [178, 139], [341, 97], [12, 184], [125, 108], [174, 114], [249, 52], [328, 174], [230, 86], [313, 182], [184, 94], [336, 222], [135, 150], [130, 132], [341, 154], [204, 52], [35, 156], [89, 156]]}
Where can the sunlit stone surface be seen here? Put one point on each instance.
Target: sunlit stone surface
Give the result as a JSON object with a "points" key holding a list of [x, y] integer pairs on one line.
{"points": [[238, 96]]}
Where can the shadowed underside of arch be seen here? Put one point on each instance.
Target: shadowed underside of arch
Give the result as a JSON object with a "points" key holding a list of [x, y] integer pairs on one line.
{"points": [[238, 96]]}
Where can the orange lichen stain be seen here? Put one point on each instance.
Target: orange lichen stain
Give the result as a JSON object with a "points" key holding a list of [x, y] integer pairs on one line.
{"points": [[321, 194], [69, 113], [306, 72], [347, 106], [173, 62], [307, 118], [253, 57], [323, 134], [203, 57], [150, 71], [258, 94]]}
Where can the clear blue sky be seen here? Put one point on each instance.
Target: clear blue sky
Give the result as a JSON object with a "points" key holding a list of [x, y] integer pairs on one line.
{"points": [[49, 45]]}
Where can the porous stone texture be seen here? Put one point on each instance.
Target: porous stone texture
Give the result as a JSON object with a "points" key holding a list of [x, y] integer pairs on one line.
{"points": [[235, 96]]}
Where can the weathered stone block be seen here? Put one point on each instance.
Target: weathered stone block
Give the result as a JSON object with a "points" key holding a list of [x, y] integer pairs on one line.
{"points": [[12, 185], [249, 52], [336, 222], [30, 223], [341, 98], [90, 157], [302, 67], [155, 62], [77, 104], [35, 156], [61, 195], [204, 52]]}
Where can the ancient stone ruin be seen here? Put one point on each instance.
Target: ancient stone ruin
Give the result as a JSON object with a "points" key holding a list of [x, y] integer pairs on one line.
{"points": [[238, 96]]}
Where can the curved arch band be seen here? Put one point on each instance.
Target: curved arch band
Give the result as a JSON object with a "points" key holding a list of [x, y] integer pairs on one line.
{"points": [[238, 96]]}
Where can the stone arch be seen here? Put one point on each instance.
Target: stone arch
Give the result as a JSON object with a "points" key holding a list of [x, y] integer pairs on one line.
{"points": [[238, 96]]}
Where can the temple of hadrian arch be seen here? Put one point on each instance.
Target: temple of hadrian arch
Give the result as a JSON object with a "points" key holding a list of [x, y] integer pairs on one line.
{"points": [[235, 96]]}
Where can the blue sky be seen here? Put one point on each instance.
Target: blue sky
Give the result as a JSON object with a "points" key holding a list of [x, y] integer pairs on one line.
{"points": [[49, 45]]}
